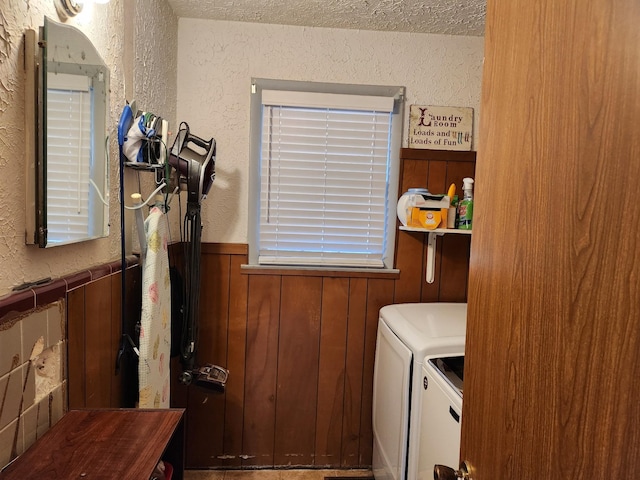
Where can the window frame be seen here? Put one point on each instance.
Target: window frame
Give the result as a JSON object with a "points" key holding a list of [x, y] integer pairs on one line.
{"points": [[260, 84]]}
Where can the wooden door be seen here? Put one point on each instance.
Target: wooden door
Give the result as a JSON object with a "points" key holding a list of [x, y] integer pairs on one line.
{"points": [[553, 343]]}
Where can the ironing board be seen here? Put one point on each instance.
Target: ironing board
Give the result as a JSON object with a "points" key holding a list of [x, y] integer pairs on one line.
{"points": [[155, 321]]}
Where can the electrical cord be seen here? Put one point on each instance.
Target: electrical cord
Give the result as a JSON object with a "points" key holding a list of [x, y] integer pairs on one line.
{"points": [[93, 184], [192, 252], [102, 199], [146, 202]]}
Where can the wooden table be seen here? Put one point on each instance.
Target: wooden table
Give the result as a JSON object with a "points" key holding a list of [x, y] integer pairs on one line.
{"points": [[105, 444]]}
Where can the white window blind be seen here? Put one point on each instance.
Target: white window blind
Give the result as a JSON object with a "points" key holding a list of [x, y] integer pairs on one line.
{"points": [[68, 157], [324, 170]]}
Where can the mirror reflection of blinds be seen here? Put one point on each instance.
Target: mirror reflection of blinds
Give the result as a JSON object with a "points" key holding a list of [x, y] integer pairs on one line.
{"points": [[324, 170], [68, 157]]}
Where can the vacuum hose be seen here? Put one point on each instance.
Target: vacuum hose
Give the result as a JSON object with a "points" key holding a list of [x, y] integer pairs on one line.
{"points": [[192, 250]]}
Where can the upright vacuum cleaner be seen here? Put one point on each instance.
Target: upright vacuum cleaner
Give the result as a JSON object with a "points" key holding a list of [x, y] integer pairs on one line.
{"points": [[194, 160]]}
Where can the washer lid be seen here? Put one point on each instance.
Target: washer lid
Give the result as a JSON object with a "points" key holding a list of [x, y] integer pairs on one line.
{"points": [[451, 369], [427, 328]]}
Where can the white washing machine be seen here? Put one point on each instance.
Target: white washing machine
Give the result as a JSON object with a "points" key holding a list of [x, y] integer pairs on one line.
{"points": [[407, 333], [440, 413]]}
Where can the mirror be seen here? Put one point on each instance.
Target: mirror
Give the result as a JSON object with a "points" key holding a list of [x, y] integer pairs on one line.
{"points": [[71, 172]]}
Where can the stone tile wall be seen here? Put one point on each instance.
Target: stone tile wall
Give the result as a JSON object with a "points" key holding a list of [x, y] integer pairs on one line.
{"points": [[32, 377]]}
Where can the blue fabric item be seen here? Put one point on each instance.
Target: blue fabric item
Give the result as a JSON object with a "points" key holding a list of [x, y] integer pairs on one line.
{"points": [[142, 124], [126, 119], [145, 131]]}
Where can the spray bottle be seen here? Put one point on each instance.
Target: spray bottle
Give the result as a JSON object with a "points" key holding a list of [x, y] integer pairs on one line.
{"points": [[465, 207]]}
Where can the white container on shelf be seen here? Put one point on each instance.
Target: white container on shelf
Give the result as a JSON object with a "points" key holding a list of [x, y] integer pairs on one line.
{"points": [[409, 199]]}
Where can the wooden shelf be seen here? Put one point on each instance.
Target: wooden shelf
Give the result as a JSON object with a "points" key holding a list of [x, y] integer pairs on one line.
{"points": [[431, 245], [437, 231], [105, 443]]}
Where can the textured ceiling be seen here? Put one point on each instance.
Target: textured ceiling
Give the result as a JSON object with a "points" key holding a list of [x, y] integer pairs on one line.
{"points": [[449, 17]]}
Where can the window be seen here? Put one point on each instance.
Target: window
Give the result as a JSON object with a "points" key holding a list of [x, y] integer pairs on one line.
{"points": [[324, 174], [68, 157]]}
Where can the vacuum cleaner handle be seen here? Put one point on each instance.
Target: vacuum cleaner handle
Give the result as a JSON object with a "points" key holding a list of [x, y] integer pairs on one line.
{"points": [[199, 141]]}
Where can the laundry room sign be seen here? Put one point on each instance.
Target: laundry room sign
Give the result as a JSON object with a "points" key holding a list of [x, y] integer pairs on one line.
{"points": [[440, 128]]}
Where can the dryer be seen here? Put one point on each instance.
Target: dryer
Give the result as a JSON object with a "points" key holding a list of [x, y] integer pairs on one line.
{"points": [[407, 333]]}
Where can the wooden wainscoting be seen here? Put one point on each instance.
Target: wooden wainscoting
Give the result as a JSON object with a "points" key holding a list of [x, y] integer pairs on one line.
{"points": [[300, 348], [94, 331]]}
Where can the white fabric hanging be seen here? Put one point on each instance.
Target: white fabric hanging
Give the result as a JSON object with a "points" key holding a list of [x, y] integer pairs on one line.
{"points": [[155, 325]]}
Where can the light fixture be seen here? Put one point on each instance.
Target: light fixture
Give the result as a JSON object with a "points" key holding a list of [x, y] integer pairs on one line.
{"points": [[68, 8]]}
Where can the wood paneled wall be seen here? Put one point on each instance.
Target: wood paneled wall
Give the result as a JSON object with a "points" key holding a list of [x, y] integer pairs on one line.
{"points": [[94, 331], [435, 170], [299, 344]]}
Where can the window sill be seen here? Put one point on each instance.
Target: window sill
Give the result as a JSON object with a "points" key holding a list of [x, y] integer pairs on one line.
{"points": [[351, 272]]}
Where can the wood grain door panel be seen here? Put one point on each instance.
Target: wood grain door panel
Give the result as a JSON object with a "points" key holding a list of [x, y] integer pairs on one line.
{"points": [[552, 365]]}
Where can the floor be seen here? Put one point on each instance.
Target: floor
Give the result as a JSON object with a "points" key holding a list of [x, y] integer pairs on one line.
{"points": [[285, 474]]}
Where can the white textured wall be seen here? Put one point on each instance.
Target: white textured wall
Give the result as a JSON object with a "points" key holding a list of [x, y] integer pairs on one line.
{"points": [[217, 59], [104, 25], [154, 87]]}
